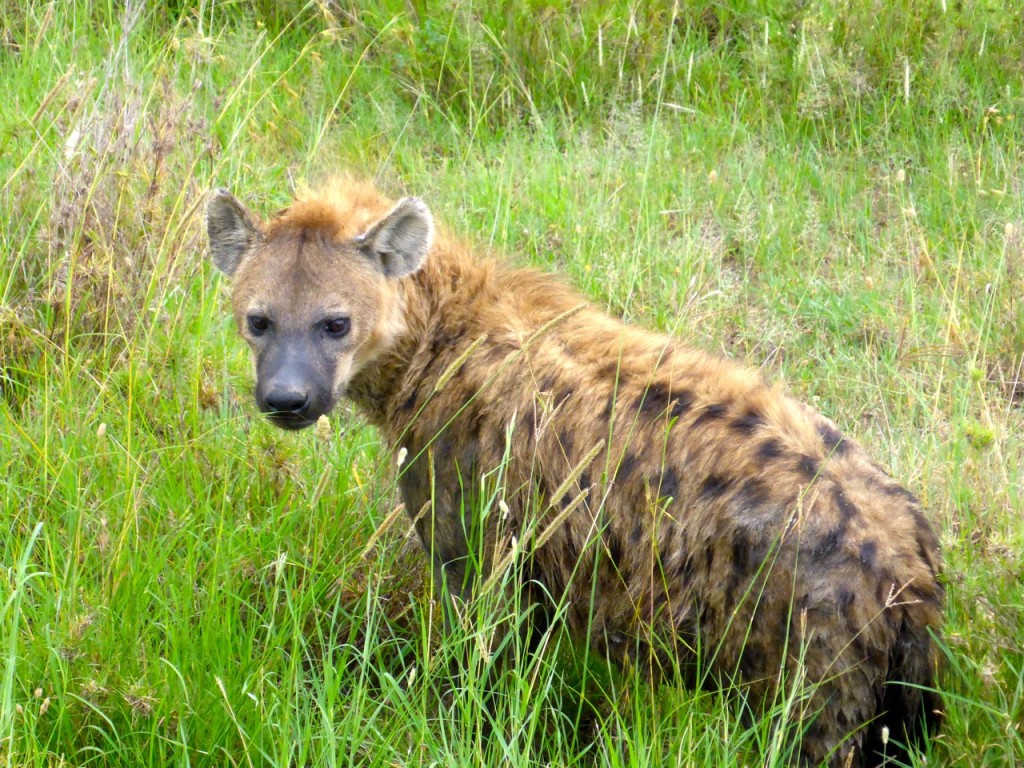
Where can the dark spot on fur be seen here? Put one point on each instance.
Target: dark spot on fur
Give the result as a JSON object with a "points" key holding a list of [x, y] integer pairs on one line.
{"points": [[474, 423], [530, 433], [912, 499], [445, 340], [713, 412], [669, 484], [709, 557], [915, 591], [640, 402], [828, 544], [844, 599], [499, 351], [410, 403], [626, 468], [752, 662], [884, 482], [859, 645], [443, 448], [570, 497], [768, 450], [748, 423], [740, 555], [885, 586], [637, 534], [572, 552], [923, 552], [609, 406], [565, 440], [714, 486], [682, 402], [809, 466], [615, 549], [584, 481], [935, 594], [898, 491], [752, 495], [922, 522], [563, 397], [612, 371], [547, 383], [835, 443], [868, 552], [654, 402], [847, 509]]}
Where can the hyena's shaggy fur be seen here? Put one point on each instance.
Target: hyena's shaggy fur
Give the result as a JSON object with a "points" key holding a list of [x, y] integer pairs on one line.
{"points": [[714, 511]]}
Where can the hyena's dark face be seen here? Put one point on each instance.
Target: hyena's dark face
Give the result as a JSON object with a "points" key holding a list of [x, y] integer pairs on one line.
{"points": [[315, 308]]}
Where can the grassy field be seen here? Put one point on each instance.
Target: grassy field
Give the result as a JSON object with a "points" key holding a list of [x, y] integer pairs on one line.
{"points": [[830, 190]]}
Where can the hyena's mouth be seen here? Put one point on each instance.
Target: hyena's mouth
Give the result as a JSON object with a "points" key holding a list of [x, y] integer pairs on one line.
{"points": [[289, 420]]}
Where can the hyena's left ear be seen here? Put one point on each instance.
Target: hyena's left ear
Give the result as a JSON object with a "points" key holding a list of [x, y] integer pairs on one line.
{"points": [[231, 229], [401, 240]]}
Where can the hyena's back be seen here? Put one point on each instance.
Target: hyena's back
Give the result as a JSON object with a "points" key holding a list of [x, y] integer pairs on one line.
{"points": [[722, 515]]}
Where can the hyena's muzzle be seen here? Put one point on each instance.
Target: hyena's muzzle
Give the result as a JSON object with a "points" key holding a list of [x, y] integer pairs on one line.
{"points": [[293, 382]]}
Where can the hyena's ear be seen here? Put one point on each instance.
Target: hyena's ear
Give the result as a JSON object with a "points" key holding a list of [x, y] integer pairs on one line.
{"points": [[231, 229], [401, 240]]}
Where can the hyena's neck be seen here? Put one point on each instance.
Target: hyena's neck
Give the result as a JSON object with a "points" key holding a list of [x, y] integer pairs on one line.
{"points": [[465, 319], [436, 305]]}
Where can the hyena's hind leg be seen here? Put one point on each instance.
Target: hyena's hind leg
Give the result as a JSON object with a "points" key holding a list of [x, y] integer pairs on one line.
{"points": [[871, 691]]}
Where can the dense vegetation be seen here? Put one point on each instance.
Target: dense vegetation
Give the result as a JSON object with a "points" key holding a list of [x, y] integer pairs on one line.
{"points": [[828, 189]]}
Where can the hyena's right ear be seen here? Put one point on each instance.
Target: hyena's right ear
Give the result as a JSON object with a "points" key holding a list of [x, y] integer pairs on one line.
{"points": [[231, 229]]}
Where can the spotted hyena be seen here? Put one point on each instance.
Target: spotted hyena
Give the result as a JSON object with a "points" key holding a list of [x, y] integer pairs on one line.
{"points": [[662, 497]]}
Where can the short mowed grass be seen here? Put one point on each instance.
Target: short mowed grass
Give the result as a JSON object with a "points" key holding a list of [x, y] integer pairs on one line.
{"points": [[828, 190]]}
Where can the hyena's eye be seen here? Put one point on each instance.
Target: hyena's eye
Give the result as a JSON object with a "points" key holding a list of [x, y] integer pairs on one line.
{"points": [[338, 327], [258, 324]]}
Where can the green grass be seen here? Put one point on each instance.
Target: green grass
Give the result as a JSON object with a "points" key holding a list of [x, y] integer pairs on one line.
{"points": [[830, 190]]}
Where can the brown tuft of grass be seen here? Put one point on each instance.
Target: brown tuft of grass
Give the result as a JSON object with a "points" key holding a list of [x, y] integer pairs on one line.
{"points": [[112, 207]]}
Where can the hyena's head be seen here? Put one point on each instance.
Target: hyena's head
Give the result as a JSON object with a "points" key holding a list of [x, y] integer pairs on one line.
{"points": [[316, 298]]}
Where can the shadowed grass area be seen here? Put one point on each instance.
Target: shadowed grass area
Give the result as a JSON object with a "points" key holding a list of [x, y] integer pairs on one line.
{"points": [[830, 190]]}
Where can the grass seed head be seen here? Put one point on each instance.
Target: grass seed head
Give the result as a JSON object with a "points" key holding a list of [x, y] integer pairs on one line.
{"points": [[323, 428]]}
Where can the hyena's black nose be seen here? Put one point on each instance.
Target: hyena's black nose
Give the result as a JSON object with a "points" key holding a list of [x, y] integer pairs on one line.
{"points": [[289, 401]]}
